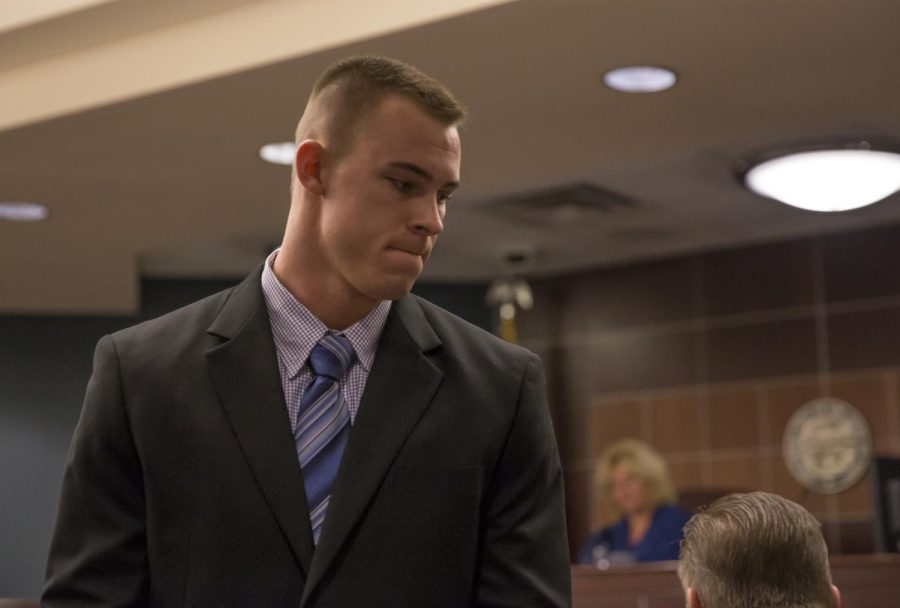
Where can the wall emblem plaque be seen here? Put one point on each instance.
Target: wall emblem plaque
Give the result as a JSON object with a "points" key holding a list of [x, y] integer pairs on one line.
{"points": [[827, 445]]}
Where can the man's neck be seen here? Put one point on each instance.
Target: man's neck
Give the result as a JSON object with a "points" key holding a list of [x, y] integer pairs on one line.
{"points": [[327, 303]]}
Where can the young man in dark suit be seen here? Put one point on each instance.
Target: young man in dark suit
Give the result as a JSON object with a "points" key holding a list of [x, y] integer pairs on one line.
{"points": [[316, 436]]}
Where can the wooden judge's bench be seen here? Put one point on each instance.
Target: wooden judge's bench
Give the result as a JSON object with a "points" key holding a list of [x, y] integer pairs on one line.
{"points": [[865, 581]]}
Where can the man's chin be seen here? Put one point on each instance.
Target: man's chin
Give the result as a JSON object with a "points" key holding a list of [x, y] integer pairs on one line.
{"points": [[394, 289]]}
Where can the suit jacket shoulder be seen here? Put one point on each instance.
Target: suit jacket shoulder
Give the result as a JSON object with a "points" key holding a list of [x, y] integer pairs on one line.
{"points": [[190, 331], [173, 330], [467, 339]]}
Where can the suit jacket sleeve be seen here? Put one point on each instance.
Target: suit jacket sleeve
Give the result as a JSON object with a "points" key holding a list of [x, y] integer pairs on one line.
{"points": [[526, 557], [98, 553]]}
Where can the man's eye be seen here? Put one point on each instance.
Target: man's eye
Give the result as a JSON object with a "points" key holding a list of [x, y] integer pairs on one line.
{"points": [[401, 185], [444, 198]]}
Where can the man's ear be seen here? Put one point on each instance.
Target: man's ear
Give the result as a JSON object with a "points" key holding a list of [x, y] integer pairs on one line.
{"points": [[693, 600], [308, 165], [837, 596]]}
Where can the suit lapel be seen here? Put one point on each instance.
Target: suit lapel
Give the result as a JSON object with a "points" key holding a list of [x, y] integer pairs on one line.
{"points": [[244, 370], [399, 388]]}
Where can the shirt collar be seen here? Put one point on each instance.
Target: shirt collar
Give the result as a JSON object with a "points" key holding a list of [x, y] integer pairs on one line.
{"points": [[296, 330]]}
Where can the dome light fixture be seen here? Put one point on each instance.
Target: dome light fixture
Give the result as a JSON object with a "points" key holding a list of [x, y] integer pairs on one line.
{"points": [[640, 79], [22, 211], [827, 178], [278, 153]]}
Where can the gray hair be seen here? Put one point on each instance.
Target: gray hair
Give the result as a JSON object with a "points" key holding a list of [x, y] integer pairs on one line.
{"points": [[756, 550]]}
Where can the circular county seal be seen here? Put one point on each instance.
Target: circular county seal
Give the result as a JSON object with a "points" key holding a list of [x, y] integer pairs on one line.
{"points": [[827, 445]]}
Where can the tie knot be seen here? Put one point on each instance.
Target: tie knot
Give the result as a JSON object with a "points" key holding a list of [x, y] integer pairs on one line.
{"points": [[332, 356]]}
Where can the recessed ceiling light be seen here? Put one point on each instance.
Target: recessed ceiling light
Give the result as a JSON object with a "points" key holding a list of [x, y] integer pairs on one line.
{"points": [[20, 211], [828, 180], [279, 153], [640, 79]]}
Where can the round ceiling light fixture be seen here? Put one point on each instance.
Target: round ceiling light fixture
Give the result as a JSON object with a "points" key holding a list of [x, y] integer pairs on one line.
{"points": [[278, 153], [827, 178], [22, 211], [640, 79]]}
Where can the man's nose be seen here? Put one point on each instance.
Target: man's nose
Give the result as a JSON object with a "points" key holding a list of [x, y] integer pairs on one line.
{"points": [[429, 218]]}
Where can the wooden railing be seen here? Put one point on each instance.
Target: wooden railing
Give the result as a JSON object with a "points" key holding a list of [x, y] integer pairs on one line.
{"points": [[865, 581]]}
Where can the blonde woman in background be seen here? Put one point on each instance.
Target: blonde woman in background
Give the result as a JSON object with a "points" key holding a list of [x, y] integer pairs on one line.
{"points": [[635, 481]]}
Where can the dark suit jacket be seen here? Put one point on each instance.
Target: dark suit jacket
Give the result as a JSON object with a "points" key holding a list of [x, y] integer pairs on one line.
{"points": [[183, 487]]}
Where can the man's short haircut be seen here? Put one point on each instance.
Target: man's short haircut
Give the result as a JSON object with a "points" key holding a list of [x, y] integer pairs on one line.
{"points": [[641, 460], [349, 89], [753, 550]]}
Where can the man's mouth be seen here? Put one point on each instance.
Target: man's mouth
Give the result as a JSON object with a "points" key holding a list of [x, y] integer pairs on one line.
{"points": [[417, 253]]}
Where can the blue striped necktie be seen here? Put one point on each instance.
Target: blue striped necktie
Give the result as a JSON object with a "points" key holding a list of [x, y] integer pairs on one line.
{"points": [[323, 424]]}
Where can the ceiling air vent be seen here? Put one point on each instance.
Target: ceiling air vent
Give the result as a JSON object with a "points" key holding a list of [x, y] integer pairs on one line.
{"points": [[560, 204]]}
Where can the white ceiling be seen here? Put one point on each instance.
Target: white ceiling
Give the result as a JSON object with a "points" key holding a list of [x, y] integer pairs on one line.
{"points": [[139, 123]]}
